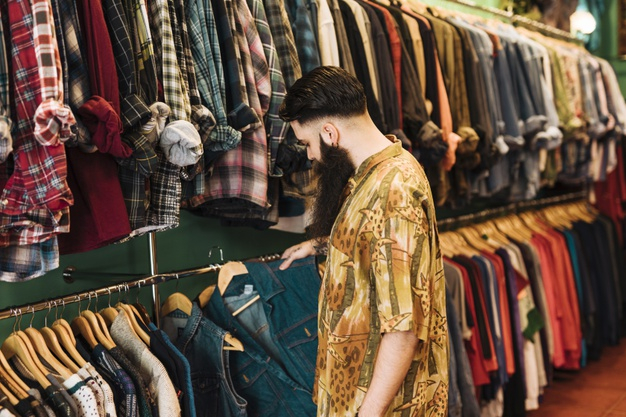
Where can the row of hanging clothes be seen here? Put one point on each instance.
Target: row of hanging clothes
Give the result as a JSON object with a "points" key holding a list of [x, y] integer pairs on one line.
{"points": [[529, 294], [189, 115], [223, 354]]}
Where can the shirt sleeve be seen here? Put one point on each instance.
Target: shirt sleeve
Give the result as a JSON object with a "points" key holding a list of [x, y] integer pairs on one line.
{"points": [[402, 267]]}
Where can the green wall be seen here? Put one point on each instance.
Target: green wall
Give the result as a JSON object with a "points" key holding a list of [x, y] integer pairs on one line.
{"points": [[182, 248]]}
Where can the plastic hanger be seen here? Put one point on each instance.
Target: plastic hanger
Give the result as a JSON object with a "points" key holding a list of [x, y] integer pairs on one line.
{"points": [[41, 349], [14, 345]]}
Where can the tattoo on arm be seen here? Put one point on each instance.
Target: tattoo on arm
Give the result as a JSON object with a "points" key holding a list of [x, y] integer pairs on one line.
{"points": [[321, 246]]}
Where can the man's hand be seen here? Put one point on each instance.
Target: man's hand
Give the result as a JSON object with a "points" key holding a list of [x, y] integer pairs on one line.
{"points": [[304, 249]]}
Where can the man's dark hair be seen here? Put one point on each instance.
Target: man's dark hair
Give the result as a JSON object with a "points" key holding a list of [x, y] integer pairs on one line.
{"points": [[325, 91]]}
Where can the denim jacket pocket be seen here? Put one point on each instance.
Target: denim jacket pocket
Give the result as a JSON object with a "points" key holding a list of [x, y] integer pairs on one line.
{"points": [[206, 394], [301, 341]]}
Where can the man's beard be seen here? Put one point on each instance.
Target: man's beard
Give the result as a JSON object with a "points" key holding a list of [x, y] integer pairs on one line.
{"points": [[332, 172]]}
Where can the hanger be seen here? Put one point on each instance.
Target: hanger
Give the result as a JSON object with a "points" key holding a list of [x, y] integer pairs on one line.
{"points": [[53, 344], [227, 273], [235, 344], [176, 301], [474, 239], [14, 345], [109, 313], [63, 337], [15, 383], [41, 349], [63, 323], [140, 310], [9, 394], [130, 316], [102, 337], [81, 325]]}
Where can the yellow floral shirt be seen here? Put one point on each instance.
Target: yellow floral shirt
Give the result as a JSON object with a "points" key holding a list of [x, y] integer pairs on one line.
{"points": [[384, 273]]}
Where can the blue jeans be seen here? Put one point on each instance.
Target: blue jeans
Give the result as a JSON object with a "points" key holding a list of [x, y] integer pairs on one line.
{"points": [[202, 343], [276, 371]]}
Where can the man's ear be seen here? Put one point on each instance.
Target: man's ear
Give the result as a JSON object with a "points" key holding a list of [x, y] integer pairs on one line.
{"points": [[330, 134]]}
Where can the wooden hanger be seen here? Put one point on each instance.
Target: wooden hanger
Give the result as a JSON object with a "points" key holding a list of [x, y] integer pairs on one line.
{"points": [[176, 301], [9, 394], [81, 326], [130, 316], [97, 330], [67, 342], [63, 323], [109, 313], [41, 349], [203, 299], [53, 344], [16, 385], [14, 346]]}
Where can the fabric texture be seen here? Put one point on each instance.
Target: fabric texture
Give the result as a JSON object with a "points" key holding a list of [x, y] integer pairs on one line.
{"points": [[383, 248]]}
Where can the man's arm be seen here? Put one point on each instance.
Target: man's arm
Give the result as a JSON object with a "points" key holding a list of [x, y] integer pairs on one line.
{"points": [[395, 354]]}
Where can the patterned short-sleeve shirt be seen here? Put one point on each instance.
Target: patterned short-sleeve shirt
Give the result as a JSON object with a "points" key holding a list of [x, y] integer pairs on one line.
{"points": [[384, 273]]}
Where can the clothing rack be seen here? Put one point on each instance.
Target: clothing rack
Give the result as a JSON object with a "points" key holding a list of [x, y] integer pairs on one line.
{"points": [[448, 223], [150, 280], [515, 18]]}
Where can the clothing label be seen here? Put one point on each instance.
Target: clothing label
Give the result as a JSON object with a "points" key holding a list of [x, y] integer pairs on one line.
{"points": [[248, 288]]}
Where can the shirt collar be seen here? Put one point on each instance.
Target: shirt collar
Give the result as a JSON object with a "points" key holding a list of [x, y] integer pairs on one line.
{"points": [[389, 152]]}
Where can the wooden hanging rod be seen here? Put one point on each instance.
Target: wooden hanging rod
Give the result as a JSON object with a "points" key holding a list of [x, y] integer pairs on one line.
{"points": [[145, 281]]}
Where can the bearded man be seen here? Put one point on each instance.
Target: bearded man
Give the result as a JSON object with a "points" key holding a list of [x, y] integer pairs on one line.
{"points": [[383, 341]]}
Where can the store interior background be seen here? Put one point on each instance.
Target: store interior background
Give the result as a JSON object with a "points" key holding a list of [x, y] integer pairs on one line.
{"points": [[189, 245]]}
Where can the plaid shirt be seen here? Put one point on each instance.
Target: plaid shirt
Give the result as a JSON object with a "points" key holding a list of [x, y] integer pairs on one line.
{"points": [[284, 40], [134, 111], [201, 117], [275, 126], [240, 115], [53, 120], [22, 263], [6, 141], [304, 33], [39, 177], [207, 57], [241, 173], [145, 61], [174, 88]]}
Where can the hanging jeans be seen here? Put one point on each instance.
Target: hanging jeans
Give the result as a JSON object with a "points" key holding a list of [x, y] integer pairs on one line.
{"points": [[276, 371]]}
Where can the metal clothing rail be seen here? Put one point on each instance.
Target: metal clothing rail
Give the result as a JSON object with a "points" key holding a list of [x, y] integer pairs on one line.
{"points": [[515, 18], [150, 280], [510, 209]]}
